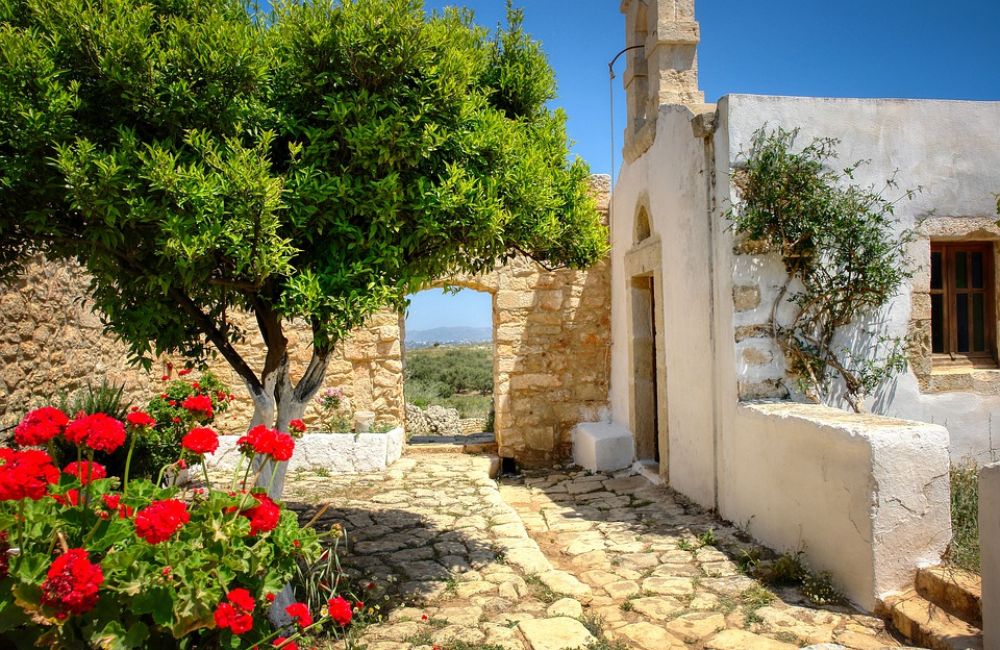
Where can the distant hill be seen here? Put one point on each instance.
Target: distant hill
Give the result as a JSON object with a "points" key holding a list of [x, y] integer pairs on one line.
{"points": [[448, 335]]}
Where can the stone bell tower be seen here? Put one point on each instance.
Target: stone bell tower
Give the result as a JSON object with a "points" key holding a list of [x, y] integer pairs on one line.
{"points": [[664, 70]]}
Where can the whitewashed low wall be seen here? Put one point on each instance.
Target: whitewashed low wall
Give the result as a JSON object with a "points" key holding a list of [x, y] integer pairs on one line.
{"points": [[338, 453], [989, 543], [866, 497]]}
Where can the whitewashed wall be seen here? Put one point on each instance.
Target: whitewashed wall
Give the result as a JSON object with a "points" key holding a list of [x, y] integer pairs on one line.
{"points": [[670, 181], [948, 149]]}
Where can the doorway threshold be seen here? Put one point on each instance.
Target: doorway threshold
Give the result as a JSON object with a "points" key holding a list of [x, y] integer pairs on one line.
{"points": [[650, 470]]}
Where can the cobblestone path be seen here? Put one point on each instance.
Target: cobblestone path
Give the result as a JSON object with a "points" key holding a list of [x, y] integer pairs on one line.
{"points": [[556, 560]]}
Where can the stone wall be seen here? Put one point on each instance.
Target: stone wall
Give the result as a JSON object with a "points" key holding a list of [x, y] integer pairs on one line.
{"points": [[53, 342], [551, 352]]}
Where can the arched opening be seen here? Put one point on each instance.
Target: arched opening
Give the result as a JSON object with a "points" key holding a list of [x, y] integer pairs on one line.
{"points": [[642, 228], [449, 363]]}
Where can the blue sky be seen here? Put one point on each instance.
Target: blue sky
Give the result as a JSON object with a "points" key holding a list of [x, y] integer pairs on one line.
{"points": [[847, 48]]}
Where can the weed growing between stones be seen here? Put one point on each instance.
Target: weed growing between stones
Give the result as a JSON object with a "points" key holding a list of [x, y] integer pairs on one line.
{"points": [[963, 551]]}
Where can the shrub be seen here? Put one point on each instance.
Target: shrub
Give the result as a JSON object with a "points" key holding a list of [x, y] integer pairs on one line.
{"points": [[93, 561], [843, 254]]}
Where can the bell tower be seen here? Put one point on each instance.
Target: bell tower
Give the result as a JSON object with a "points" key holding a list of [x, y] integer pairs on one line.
{"points": [[664, 70]]}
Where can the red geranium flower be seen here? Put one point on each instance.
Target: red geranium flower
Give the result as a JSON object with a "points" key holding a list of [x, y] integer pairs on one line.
{"points": [[158, 521], [235, 615], [98, 431], [300, 612], [113, 502], [71, 498], [284, 644], [140, 419], [340, 610], [198, 404], [297, 425], [40, 426], [201, 440], [183, 372], [72, 583], [86, 471], [264, 516], [25, 474], [267, 442]]}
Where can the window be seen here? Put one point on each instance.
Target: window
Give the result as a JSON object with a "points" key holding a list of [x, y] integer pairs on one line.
{"points": [[963, 316]]}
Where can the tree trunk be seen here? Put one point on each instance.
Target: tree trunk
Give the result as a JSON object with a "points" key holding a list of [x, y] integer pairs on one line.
{"points": [[277, 404]]}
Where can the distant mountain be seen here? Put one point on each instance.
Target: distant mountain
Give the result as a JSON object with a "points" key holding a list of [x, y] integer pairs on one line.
{"points": [[446, 335]]}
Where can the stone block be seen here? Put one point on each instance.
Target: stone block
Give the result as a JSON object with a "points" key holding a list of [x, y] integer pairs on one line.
{"points": [[989, 541], [602, 446], [746, 297]]}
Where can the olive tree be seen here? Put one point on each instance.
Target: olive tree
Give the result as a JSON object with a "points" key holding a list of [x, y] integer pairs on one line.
{"points": [[317, 163]]}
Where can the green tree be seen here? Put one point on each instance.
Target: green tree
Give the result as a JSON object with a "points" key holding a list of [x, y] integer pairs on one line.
{"points": [[318, 163]]}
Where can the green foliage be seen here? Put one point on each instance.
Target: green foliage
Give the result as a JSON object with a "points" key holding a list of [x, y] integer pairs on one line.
{"points": [[320, 163], [106, 398], [964, 549], [844, 257], [162, 445], [447, 370], [791, 570], [459, 377]]}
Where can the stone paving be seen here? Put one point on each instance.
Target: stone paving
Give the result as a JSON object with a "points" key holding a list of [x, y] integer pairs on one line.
{"points": [[553, 561]]}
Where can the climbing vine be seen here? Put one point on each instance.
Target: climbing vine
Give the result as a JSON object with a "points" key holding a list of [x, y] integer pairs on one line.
{"points": [[844, 256]]}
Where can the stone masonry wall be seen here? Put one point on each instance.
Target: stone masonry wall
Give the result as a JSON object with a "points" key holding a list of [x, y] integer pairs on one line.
{"points": [[760, 363], [551, 352], [52, 342]]}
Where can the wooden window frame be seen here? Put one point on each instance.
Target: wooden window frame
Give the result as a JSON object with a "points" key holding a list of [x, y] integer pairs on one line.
{"points": [[948, 291]]}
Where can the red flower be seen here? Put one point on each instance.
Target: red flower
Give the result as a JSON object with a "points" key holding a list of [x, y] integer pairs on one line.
{"points": [[297, 425], [140, 419], [113, 502], [158, 521], [175, 420], [284, 644], [72, 583], [269, 597], [71, 498], [198, 404], [300, 612], [340, 610], [100, 432], [183, 372], [201, 440], [241, 598], [25, 474], [236, 614], [264, 516], [165, 571], [40, 426], [359, 605], [86, 471], [267, 442], [164, 377]]}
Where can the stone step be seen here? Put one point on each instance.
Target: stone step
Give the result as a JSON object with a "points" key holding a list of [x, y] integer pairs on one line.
{"points": [[926, 625], [958, 592]]}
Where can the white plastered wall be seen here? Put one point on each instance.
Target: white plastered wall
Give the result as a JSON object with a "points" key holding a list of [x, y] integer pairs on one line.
{"points": [[948, 149], [669, 180]]}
